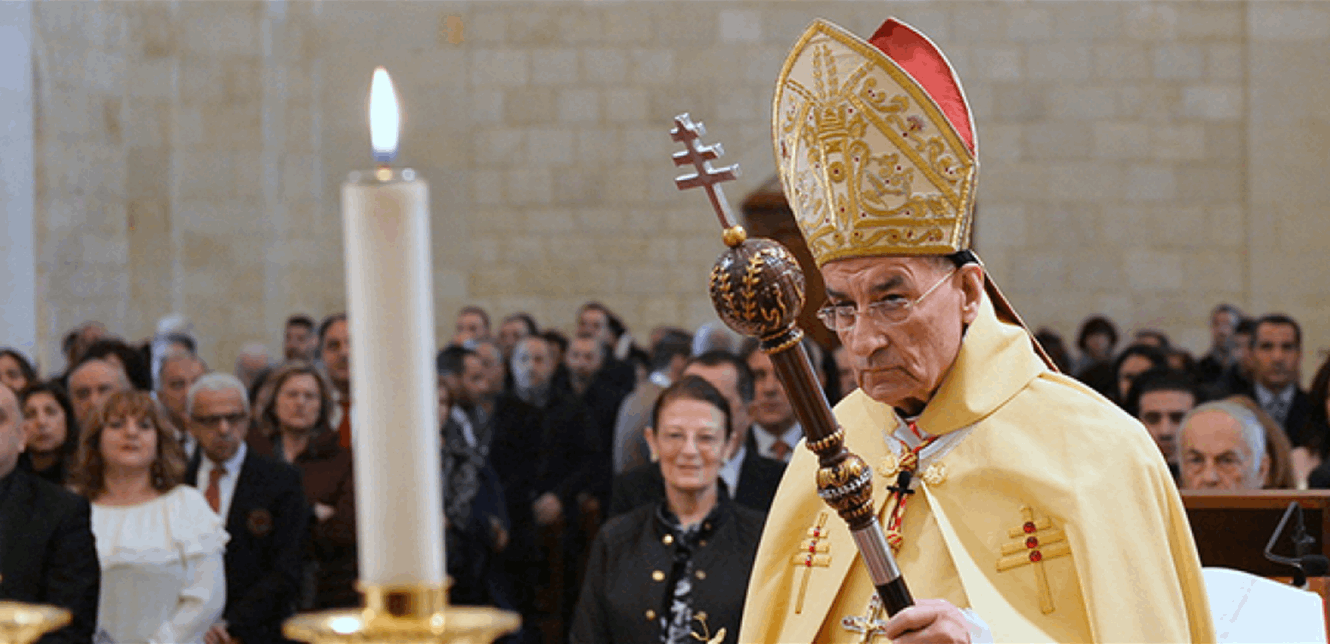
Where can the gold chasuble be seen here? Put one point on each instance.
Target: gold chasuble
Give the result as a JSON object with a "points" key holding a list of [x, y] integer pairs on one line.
{"points": [[1037, 505], [1054, 517]]}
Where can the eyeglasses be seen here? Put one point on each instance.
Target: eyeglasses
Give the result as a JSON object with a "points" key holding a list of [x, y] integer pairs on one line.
{"points": [[213, 422], [1154, 417], [893, 310], [707, 443]]}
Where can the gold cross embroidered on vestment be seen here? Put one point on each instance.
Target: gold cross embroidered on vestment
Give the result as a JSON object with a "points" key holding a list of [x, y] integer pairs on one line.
{"points": [[1037, 541]]}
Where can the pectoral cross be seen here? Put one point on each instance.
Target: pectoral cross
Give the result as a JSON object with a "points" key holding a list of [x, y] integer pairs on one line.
{"points": [[700, 156], [813, 552], [1037, 540], [870, 623]]}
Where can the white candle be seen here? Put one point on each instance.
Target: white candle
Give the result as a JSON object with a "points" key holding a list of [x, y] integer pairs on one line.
{"points": [[385, 220]]}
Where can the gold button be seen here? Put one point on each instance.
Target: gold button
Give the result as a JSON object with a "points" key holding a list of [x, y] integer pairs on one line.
{"points": [[702, 543], [701, 574], [667, 539], [658, 576], [651, 615]]}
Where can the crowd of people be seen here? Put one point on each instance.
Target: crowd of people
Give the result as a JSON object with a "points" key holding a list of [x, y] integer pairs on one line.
{"points": [[605, 487]]}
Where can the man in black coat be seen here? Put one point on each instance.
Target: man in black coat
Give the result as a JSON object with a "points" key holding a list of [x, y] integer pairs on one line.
{"points": [[47, 551], [1276, 353], [265, 510]]}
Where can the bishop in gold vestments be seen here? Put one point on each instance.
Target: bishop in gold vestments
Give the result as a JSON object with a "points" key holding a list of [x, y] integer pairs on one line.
{"points": [[1037, 509]]}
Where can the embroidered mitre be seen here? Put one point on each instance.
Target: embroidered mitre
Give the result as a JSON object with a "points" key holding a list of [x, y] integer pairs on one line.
{"points": [[875, 144]]}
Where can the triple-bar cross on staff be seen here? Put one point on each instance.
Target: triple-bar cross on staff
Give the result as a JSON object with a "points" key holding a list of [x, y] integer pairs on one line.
{"points": [[699, 156]]}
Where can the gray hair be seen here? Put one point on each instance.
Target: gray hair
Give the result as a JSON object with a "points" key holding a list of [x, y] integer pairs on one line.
{"points": [[216, 381], [173, 355], [1253, 432]]}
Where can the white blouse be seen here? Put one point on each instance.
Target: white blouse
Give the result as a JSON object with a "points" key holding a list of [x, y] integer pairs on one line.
{"points": [[163, 578]]}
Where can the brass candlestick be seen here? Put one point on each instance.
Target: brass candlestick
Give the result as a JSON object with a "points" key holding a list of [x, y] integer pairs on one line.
{"points": [[403, 615], [22, 623], [757, 289]]}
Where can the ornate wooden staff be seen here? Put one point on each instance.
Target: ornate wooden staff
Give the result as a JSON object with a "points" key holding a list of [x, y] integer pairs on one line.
{"points": [[758, 290]]}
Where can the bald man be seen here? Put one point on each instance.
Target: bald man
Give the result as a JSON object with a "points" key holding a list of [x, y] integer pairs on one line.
{"points": [[47, 552]]}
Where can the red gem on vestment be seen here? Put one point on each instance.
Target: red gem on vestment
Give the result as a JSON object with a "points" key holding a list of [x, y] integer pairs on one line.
{"points": [[808, 561], [812, 548], [1032, 542], [1029, 527], [1036, 556]]}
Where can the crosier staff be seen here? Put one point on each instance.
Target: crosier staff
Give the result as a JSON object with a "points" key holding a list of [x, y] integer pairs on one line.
{"points": [[758, 290]]}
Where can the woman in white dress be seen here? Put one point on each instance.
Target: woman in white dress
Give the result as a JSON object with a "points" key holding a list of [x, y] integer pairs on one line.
{"points": [[159, 543]]}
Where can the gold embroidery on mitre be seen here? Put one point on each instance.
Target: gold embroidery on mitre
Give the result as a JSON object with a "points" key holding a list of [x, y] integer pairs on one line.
{"points": [[869, 163]]}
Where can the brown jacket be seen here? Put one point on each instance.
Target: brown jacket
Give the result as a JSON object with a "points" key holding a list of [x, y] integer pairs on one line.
{"points": [[326, 472]]}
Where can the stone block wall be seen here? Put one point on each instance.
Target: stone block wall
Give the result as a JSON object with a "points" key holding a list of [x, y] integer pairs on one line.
{"points": [[1141, 159]]}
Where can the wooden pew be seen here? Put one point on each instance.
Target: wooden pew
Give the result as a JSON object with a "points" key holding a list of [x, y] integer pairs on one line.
{"points": [[1232, 529]]}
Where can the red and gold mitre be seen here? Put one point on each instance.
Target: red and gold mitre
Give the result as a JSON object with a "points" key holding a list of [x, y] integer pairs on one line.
{"points": [[875, 144]]}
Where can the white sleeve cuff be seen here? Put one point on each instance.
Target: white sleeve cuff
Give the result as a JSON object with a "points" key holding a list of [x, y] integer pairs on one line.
{"points": [[979, 631]]}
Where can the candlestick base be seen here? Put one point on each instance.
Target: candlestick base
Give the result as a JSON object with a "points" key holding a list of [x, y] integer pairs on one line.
{"points": [[23, 623], [403, 615]]}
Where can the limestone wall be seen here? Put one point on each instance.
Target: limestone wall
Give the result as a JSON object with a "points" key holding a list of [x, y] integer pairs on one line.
{"points": [[1140, 159]]}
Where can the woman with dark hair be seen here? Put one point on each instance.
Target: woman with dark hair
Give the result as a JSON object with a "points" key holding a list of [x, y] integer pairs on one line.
{"points": [[1094, 366], [1134, 361], [294, 426], [683, 564], [159, 544], [16, 371], [52, 431]]}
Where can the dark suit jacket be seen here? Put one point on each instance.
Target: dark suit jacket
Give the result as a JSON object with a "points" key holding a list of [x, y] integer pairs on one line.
{"points": [[758, 479], [1299, 413], [267, 523], [47, 553]]}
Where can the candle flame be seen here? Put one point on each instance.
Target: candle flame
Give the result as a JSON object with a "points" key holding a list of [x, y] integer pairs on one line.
{"points": [[384, 116]]}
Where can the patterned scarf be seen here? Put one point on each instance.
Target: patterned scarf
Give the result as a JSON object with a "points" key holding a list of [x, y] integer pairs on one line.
{"points": [[676, 618]]}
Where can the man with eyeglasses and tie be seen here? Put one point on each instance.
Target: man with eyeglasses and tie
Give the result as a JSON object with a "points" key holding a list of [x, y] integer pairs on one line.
{"points": [[264, 507], [1021, 506]]}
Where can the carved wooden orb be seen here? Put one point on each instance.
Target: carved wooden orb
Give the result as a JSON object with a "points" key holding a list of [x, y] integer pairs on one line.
{"points": [[757, 288]]}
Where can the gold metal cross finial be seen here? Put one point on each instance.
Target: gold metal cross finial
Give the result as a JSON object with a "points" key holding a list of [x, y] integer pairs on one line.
{"points": [[870, 624], [699, 156], [813, 552], [1037, 541]]}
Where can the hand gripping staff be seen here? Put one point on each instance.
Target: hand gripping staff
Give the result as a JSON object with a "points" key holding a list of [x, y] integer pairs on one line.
{"points": [[758, 290]]}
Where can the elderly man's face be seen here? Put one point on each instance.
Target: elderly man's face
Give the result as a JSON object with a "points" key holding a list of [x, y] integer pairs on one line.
{"points": [[12, 436], [1215, 456], [903, 364], [91, 384], [173, 390], [219, 422]]}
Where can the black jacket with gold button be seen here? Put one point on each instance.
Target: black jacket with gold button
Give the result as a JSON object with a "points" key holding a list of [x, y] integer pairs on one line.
{"points": [[623, 594]]}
